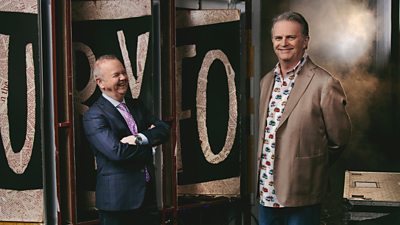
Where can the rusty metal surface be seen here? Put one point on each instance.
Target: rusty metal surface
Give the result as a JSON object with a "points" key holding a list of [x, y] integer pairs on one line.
{"points": [[19, 205], [22, 6], [372, 188], [121, 25], [226, 187], [195, 21], [192, 18], [97, 10]]}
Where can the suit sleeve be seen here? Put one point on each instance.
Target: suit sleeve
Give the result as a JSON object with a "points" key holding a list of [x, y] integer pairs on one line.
{"points": [[159, 133], [337, 121], [100, 134]]}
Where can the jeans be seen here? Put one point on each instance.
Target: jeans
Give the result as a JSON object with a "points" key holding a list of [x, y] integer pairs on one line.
{"points": [[304, 215]]}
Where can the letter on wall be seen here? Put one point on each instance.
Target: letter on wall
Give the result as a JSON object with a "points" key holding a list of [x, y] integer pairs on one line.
{"points": [[118, 27], [21, 186], [208, 73]]}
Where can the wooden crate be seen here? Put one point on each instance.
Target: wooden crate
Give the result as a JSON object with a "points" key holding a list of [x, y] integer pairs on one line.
{"points": [[370, 195]]}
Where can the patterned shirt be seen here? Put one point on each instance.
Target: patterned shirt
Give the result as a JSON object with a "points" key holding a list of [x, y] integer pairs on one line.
{"points": [[280, 93]]}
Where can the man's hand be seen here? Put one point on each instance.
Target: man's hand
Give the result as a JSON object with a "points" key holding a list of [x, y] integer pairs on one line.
{"points": [[131, 139]]}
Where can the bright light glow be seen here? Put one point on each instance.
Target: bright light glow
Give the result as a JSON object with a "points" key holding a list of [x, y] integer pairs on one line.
{"points": [[340, 30]]}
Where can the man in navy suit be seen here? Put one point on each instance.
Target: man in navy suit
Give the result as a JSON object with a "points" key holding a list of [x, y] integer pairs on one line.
{"points": [[122, 139]]}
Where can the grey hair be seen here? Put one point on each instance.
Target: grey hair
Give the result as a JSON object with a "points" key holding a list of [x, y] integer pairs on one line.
{"points": [[292, 16], [96, 67]]}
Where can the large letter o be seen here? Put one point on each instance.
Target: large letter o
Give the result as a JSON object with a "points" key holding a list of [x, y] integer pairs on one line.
{"points": [[201, 101]]}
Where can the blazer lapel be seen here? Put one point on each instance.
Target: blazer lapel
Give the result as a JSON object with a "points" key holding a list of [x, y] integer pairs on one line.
{"points": [[303, 79], [133, 110], [266, 89], [111, 110]]}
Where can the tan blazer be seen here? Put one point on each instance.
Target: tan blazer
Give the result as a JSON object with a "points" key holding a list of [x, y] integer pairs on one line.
{"points": [[314, 129]]}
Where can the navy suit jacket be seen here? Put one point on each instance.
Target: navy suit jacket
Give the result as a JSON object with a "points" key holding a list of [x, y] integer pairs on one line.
{"points": [[121, 181]]}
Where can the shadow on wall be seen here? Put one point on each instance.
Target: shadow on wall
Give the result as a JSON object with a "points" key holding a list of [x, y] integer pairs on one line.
{"points": [[343, 40]]}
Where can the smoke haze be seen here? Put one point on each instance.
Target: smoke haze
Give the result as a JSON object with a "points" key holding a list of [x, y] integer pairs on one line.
{"points": [[349, 38], [341, 31], [342, 39]]}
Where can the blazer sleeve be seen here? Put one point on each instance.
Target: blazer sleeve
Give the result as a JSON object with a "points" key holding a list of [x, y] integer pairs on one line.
{"points": [[105, 139], [337, 121], [160, 131]]}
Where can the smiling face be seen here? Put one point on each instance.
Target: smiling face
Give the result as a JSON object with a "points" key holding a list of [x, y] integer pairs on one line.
{"points": [[113, 80], [288, 42]]}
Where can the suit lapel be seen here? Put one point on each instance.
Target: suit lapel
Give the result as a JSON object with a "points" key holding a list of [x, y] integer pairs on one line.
{"points": [[111, 110], [266, 89], [132, 106], [303, 79], [266, 86]]}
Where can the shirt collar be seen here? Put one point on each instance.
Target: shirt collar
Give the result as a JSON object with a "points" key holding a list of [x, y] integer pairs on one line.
{"points": [[113, 101], [296, 69]]}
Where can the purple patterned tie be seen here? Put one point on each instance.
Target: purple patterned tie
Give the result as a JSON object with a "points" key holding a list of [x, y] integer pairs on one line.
{"points": [[132, 127], [128, 118]]}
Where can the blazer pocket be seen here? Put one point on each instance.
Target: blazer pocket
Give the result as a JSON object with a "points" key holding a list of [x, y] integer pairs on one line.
{"points": [[310, 147], [310, 175]]}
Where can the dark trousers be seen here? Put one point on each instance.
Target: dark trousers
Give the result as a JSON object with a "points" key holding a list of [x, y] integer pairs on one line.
{"points": [[147, 214], [305, 215]]}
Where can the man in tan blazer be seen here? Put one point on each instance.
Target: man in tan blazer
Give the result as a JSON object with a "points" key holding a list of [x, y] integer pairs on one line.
{"points": [[304, 126]]}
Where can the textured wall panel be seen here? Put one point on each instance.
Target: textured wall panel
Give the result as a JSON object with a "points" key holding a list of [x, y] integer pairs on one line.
{"points": [[21, 186], [208, 75], [122, 28]]}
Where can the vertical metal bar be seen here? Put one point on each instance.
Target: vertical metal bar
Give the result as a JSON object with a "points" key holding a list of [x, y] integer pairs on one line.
{"points": [[63, 98], [172, 72], [55, 91], [50, 134], [67, 71], [246, 185], [168, 42]]}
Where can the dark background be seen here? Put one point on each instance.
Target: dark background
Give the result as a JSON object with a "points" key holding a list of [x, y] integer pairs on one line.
{"points": [[224, 37], [101, 37], [22, 29], [372, 89]]}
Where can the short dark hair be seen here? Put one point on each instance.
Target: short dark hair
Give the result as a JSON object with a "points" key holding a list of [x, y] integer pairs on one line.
{"points": [[292, 16], [96, 67]]}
